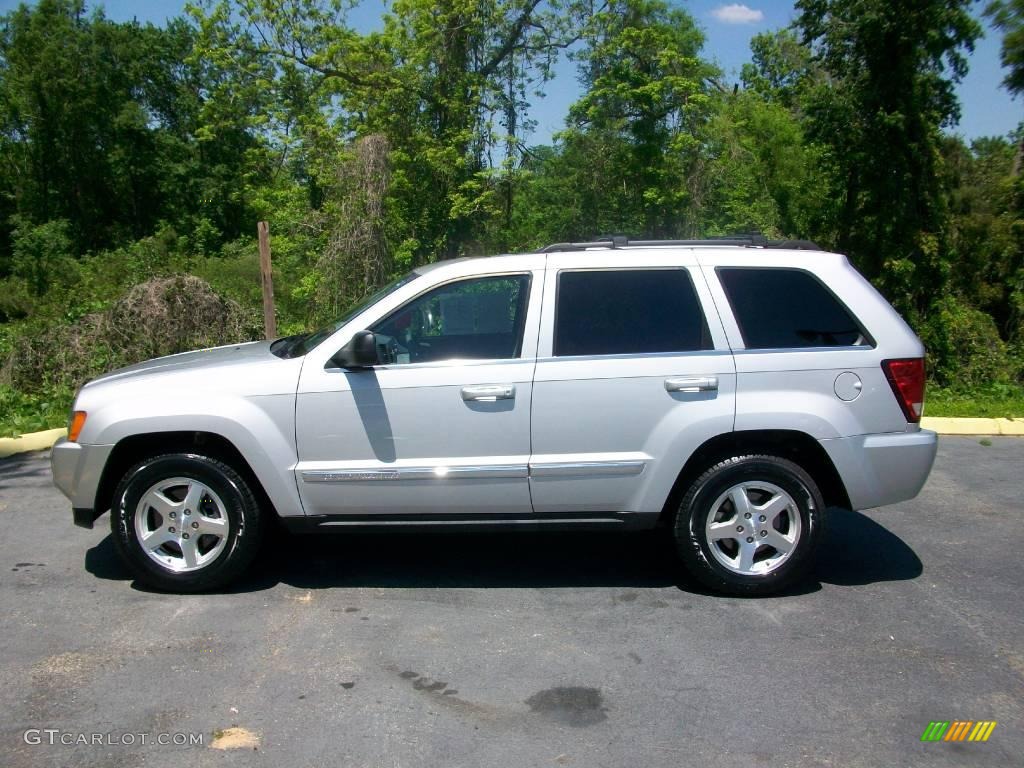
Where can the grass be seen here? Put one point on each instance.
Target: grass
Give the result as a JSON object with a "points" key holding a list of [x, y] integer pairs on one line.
{"points": [[21, 413], [993, 401]]}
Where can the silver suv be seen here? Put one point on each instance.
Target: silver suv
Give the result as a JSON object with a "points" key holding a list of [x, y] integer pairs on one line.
{"points": [[725, 390]]}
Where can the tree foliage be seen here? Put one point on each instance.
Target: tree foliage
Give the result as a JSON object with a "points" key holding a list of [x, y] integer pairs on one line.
{"points": [[131, 151], [891, 70], [1008, 16]]}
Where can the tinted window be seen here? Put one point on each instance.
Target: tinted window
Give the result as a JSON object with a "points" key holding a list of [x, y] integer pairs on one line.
{"points": [[621, 312], [786, 308], [470, 319]]}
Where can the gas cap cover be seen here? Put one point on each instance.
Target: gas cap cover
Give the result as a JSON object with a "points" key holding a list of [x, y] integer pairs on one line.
{"points": [[848, 386]]}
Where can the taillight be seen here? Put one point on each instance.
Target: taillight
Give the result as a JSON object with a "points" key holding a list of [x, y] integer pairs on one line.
{"points": [[906, 377]]}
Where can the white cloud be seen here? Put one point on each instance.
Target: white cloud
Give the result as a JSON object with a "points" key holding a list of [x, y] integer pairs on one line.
{"points": [[737, 13]]}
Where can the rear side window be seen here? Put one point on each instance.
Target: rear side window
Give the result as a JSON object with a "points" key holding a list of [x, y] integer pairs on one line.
{"points": [[787, 308], [613, 312]]}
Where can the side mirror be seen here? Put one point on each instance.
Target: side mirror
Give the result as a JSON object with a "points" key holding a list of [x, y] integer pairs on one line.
{"points": [[360, 352]]}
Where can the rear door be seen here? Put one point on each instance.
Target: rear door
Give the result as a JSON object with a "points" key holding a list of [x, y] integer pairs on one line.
{"points": [[633, 374]]}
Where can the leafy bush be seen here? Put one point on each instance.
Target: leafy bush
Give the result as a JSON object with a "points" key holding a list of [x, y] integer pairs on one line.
{"points": [[42, 255], [993, 401], [21, 412], [15, 300], [964, 347], [159, 317]]}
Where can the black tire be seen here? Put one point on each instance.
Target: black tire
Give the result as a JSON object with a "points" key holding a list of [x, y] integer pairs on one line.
{"points": [[691, 537], [240, 507]]}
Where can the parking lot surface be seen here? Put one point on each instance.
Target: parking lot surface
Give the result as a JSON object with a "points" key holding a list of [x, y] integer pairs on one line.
{"points": [[523, 649]]}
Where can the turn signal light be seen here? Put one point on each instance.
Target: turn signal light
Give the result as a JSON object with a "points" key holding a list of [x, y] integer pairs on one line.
{"points": [[75, 428]]}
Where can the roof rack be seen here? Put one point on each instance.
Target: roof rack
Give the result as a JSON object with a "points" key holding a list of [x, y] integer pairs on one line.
{"points": [[755, 240]]}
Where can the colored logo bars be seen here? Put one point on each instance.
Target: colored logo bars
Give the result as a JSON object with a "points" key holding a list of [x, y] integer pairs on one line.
{"points": [[958, 730]]}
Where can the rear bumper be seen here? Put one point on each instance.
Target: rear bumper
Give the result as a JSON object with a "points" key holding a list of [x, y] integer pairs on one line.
{"points": [[77, 470], [883, 469]]}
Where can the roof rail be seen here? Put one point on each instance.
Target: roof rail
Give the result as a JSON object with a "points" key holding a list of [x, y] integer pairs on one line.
{"points": [[743, 241]]}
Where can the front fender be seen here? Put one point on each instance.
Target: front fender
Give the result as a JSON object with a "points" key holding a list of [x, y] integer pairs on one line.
{"points": [[261, 428]]}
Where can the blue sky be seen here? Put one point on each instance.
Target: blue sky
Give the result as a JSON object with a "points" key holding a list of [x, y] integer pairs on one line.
{"points": [[987, 108]]}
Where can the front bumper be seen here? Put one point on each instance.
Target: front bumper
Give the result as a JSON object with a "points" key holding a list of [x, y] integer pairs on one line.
{"points": [[883, 469], [77, 470]]}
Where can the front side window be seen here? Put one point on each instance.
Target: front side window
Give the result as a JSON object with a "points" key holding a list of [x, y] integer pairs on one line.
{"points": [[301, 344], [787, 309], [477, 319], [614, 312]]}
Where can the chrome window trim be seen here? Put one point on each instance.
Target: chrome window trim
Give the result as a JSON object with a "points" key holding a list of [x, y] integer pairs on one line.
{"points": [[637, 356], [775, 350], [452, 363]]}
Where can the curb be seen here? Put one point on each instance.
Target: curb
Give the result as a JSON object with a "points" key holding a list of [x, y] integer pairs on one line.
{"points": [[949, 426], [41, 441], [34, 441]]}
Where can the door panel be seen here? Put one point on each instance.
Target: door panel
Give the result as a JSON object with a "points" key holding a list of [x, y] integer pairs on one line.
{"points": [[438, 437], [617, 423], [611, 431], [405, 440]]}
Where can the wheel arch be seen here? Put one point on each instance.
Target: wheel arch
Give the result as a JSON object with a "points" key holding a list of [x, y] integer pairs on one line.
{"points": [[798, 447], [133, 449]]}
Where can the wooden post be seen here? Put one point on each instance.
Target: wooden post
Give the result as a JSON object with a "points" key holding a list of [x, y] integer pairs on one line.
{"points": [[267, 278]]}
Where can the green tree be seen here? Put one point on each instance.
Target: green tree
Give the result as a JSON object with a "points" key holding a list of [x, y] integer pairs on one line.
{"points": [[108, 127], [1008, 16], [431, 82], [891, 70], [762, 174], [782, 69], [632, 145]]}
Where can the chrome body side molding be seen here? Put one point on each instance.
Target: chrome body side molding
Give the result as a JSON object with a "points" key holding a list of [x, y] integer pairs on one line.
{"points": [[557, 469]]}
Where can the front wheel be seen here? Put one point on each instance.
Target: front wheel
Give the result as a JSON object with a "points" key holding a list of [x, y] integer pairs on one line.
{"points": [[185, 523], [749, 525]]}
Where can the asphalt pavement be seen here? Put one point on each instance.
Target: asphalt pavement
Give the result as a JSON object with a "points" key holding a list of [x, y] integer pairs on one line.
{"points": [[523, 649]]}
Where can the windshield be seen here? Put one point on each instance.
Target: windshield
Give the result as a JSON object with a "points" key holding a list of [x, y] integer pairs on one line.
{"points": [[300, 344]]}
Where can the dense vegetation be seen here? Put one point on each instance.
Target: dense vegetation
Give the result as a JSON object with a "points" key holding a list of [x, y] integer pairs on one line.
{"points": [[130, 152]]}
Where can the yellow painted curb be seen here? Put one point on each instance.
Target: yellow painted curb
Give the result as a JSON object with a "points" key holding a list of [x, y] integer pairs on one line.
{"points": [[1011, 426], [35, 441], [950, 426]]}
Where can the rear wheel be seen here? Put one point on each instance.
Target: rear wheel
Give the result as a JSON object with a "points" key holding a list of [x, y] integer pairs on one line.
{"points": [[185, 523], [749, 525]]}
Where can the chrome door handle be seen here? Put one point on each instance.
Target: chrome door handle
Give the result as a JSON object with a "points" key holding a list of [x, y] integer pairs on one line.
{"points": [[489, 393], [699, 384]]}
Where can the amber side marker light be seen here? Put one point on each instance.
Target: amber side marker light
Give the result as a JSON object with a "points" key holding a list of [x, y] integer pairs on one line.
{"points": [[75, 428]]}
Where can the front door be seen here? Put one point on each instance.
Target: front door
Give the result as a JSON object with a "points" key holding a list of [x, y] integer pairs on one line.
{"points": [[442, 426]]}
